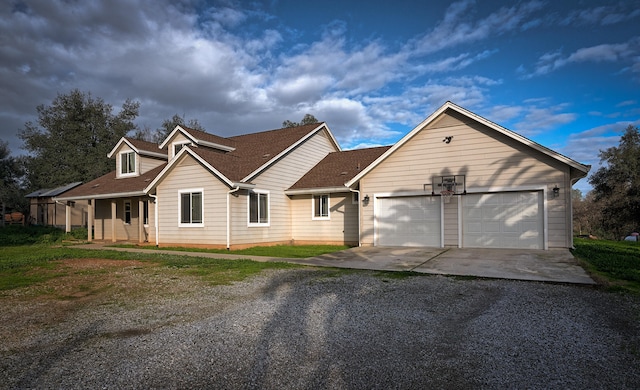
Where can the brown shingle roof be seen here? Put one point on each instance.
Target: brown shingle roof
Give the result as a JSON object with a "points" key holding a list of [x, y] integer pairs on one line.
{"points": [[110, 185], [146, 146], [253, 150], [207, 137], [338, 167]]}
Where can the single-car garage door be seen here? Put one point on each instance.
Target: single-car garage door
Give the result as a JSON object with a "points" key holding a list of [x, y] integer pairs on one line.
{"points": [[503, 220], [408, 221]]}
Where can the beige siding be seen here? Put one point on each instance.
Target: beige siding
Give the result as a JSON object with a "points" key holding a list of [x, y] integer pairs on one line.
{"points": [[277, 178], [487, 158], [148, 163], [189, 174], [342, 226]]}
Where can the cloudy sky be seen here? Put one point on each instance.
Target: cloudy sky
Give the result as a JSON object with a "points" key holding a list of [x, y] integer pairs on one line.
{"points": [[563, 73]]}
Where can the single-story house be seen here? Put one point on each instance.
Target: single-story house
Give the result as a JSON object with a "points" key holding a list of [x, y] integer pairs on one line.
{"points": [[456, 179], [45, 210]]}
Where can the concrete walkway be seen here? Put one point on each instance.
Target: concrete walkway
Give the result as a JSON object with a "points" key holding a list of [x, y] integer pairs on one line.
{"points": [[555, 265]]}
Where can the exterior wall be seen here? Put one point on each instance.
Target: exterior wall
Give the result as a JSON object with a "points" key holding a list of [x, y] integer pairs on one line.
{"points": [[341, 228], [177, 138], [277, 178], [487, 158], [124, 231], [147, 163], [189, 174], [44, 211]]}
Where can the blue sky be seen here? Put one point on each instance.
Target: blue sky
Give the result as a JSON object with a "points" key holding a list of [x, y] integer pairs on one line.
{"points": [[565, 74]]}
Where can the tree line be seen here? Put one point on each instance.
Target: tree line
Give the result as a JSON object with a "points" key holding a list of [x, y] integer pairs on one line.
{"points": [[69, 143]]}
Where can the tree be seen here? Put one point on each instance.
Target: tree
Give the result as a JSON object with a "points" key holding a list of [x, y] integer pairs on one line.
{"points": [[169, 124], [11, 173], [617, 185], [307, 120], [72, 138]]}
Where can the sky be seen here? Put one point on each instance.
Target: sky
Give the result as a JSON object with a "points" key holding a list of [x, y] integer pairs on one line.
{"points": [[565, 74]]}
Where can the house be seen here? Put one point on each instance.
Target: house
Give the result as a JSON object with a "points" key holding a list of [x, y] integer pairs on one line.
{"points": [[456, 179], [44, 210]]}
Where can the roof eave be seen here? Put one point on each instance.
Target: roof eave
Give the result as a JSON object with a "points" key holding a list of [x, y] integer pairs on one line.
{"points": [[319, 190], [101, 196]]}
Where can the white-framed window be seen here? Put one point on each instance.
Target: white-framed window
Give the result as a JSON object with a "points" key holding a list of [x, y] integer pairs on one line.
{"points": [[191, 208], [320, 205], [127, 212], [127, 163], [177, 146], [258, 208]]}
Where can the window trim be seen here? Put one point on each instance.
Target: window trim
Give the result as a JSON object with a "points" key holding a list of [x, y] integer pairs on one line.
{"points": [[190, 191], [313, 208], [135, 163], [125, 212], [259, 224], [182, 143]]}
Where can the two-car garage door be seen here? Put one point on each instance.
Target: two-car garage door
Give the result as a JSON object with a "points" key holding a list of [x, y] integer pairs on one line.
{"points": [[503, 220], [492, 220]]}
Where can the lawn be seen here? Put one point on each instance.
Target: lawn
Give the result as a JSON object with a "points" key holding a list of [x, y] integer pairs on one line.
{"points": [[283, 251], [615, 264], [31, 255]]}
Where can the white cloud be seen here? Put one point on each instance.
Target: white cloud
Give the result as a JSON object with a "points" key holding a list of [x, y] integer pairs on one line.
{"points": [[619, 52]]}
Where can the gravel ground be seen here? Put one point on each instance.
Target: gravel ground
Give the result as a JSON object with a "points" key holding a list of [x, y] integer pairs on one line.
{"points": [[306, 328]]}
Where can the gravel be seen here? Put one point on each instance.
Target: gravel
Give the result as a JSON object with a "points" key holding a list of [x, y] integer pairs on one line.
{"points": [[315, 329]]}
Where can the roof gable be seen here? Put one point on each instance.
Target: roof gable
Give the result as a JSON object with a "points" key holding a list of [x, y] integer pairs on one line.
{"points": [[581, 169], [253, 153], [142, 148], [201, 138]]}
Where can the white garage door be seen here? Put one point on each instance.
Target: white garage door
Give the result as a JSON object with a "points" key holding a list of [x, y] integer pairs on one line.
{"points": [[503, 220], [408, 221]]}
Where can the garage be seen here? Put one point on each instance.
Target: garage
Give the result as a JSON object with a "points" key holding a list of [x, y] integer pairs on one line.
{"points": [[408, 221], [503, 220]]}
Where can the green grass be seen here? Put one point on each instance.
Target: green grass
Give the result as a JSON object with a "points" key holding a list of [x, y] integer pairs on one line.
{"points": [[616, 264], [282, 251]]}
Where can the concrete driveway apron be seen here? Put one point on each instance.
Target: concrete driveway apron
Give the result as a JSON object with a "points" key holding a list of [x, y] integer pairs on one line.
{"points": [[555, 265]]}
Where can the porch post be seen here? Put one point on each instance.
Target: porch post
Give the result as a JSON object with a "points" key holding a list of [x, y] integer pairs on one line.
{"points": [[113, 221], [67, 219], [90, 208], [140, 220]]}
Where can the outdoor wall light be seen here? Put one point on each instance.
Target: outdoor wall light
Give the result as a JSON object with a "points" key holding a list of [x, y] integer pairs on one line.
{"points": [[556, 191], [366, 199]]}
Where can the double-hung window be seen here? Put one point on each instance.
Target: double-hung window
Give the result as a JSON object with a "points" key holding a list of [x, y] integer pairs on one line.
{"points": [[321, 206], [127, 163], [258, 208], [191, 208]]}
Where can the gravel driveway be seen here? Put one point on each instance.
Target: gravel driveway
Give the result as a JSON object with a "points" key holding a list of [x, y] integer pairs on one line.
{"points": [[310, 329]]}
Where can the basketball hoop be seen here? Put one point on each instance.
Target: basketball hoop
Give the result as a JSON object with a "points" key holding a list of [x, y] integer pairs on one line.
{"points": [[446, 195]]}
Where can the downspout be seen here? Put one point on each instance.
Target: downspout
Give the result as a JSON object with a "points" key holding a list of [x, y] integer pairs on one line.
{"points": [[229, 216], [155, 216], [359, 221]]}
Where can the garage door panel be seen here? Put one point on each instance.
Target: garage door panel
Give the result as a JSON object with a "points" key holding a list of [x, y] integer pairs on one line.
{"points": [[408, 221], [503, 220]]}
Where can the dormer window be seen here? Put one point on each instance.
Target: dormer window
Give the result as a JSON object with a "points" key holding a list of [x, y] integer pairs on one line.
{"points": [[178, 147], [127, 163]]}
